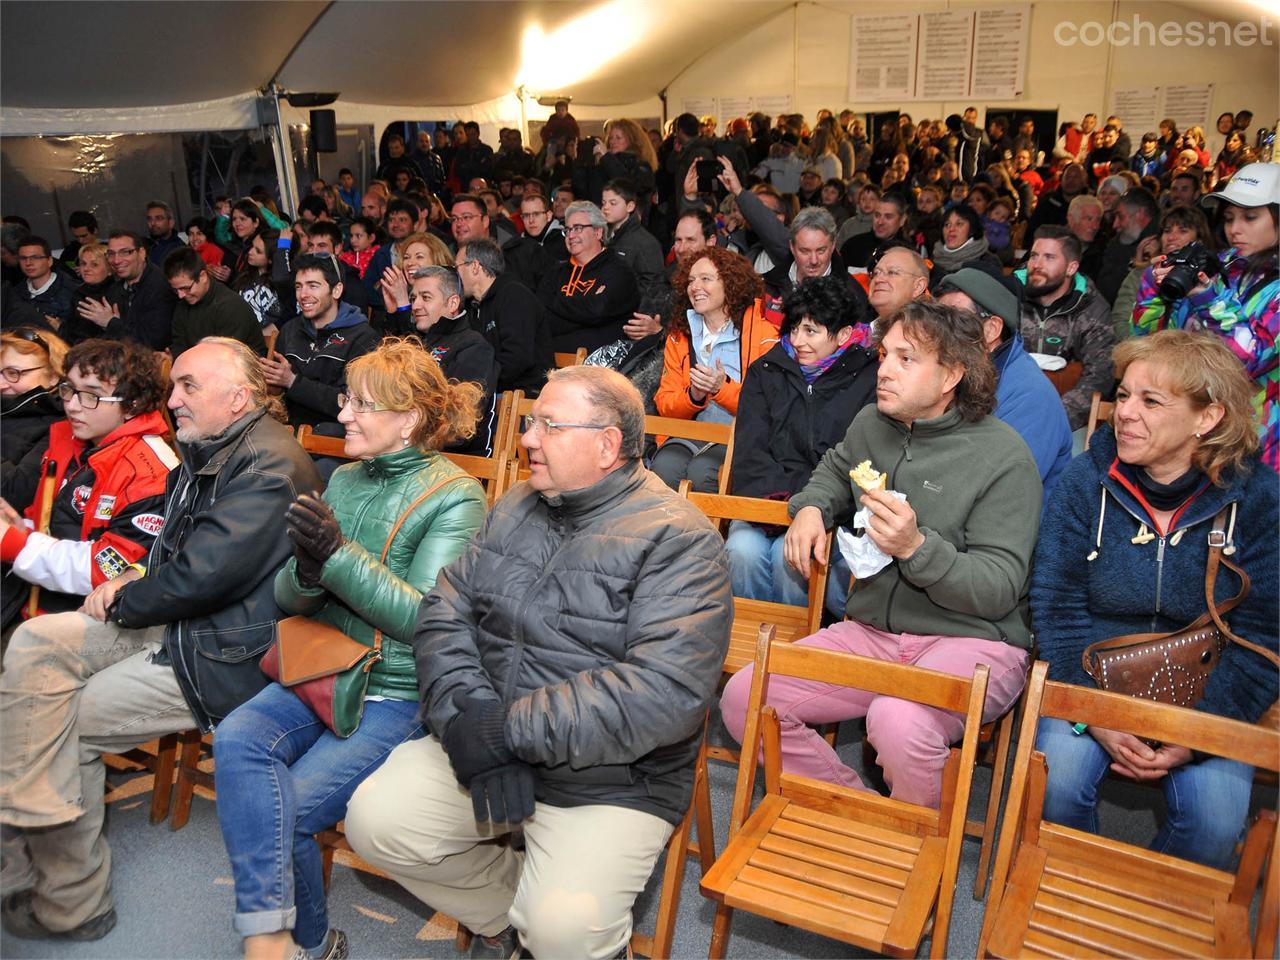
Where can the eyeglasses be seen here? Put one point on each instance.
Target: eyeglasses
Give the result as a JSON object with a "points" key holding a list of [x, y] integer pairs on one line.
{"points": [[118, 254], [465, 217], [88, 400], [888, 273], [183, 292], [14, 374], [579, 227], [359, 404], [34, 257], [543, 426]]}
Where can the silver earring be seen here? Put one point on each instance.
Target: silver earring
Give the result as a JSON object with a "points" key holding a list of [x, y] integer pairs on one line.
{"points": [[1198, 437]]}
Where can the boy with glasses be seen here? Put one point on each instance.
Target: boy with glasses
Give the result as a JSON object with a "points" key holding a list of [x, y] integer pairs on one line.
{"points": [[108, 462]]}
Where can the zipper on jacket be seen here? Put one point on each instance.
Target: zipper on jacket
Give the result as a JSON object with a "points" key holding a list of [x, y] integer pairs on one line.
{"points": [[1159, 577], [893, 475]]}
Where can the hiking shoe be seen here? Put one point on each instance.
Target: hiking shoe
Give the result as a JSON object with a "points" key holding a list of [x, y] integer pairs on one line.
{"points": [[504, 946], [19, 920]]}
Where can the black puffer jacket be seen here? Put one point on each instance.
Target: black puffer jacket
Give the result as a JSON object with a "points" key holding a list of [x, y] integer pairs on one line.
{"points": [[214, 566], [601, 619], [24, 431], [785, 425]]}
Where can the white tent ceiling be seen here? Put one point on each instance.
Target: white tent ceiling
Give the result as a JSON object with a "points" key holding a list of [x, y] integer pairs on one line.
{"points": [[125, 57]]}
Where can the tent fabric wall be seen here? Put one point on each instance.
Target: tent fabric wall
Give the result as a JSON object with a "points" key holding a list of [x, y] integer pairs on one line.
{"points": [[239, 112]]}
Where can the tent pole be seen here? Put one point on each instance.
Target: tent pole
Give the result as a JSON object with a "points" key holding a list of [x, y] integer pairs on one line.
{"points": [[524, 114], [283, 157]]}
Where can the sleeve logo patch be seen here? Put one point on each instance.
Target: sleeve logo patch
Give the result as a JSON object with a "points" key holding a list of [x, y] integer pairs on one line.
{"points": [[149, 523], [106, 505], [80, 497], [111, 562]]}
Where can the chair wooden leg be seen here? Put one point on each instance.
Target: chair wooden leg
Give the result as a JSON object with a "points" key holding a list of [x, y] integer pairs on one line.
{"points": [[720, 932], [162, 782], [327, 850], [702, 817], [462, 940], [999, 769], [658, 946], [185, 790]]}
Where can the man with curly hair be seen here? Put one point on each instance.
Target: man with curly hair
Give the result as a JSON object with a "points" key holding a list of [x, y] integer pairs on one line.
{"points": [[954, 519]]}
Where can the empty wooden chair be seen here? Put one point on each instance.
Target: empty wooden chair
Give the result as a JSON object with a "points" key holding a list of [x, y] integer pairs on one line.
{"points": [[1063, 892], [575, 359], [849, 864]]}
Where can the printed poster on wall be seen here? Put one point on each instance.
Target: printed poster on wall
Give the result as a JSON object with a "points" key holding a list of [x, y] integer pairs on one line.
{"points": [[946, 49], [1137, 107], [1188, 104], [772, 105], [882, 61], [1000, 52], [730, 107], [700, 106]]}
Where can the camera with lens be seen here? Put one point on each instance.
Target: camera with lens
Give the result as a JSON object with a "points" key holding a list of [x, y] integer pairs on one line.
{"points": [[1187, 265]]}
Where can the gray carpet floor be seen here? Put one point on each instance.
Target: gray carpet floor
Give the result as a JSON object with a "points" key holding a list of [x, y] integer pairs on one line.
{"points": [[175, 899]]}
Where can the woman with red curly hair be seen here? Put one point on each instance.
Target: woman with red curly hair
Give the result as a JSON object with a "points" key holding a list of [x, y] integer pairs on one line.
{"points": [[717, 331]]}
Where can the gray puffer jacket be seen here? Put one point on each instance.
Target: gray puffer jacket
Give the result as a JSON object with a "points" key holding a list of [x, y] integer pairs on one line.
{"points": [[601, 619]]}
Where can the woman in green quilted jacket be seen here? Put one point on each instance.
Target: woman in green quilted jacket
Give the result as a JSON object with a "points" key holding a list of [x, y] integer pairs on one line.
{"points": [[281, 774]]}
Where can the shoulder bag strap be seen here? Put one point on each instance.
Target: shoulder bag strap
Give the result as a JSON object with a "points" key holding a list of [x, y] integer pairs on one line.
{"points": [[418, 501], [1217, 541]]}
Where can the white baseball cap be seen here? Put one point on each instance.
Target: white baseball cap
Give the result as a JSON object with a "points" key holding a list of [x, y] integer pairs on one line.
{"points": [[1254, 185]]}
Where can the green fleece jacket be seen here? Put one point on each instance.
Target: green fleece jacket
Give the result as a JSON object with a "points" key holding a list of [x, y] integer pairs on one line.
{"points": [[976, 493]]}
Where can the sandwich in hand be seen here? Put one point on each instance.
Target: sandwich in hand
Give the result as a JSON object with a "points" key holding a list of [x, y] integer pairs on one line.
{"points": [[868, 477]]}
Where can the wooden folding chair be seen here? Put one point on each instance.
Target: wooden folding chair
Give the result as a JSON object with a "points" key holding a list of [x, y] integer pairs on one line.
{"points": [[849, 864], [792, 622], [159, 758], [1100, 412], [193, 749], [1063, 892], [575, 359]]}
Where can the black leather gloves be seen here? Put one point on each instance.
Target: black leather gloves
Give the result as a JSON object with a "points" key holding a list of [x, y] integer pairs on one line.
{"points": [[501, 786], [315, 534]]}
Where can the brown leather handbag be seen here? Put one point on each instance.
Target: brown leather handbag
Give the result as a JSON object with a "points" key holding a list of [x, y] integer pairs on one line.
{"points": [[1175, 667]]}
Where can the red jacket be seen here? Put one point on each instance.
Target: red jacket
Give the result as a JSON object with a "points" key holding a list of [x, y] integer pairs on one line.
{"points": [[120, 512]]}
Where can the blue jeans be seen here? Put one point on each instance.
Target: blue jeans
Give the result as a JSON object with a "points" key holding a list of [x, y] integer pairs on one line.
{"points": [[282, 776], [759, 570], [1208, 800]]}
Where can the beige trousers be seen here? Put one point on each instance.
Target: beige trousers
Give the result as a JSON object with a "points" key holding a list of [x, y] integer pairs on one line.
{"points": [[569, 894], [73, 689]]}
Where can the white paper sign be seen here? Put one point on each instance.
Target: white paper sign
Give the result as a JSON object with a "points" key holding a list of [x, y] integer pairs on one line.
{"points": [[700, 106], [773, 105], [882, 61], [946, 49], [731, 107], [1137, 107], [1188, 104], [1000, 52]]}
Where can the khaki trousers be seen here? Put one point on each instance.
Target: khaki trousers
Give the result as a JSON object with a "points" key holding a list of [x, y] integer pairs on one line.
{"points": [[569, 894], [73, 689]]}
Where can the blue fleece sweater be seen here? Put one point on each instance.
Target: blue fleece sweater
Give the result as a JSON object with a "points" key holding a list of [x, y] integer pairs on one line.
{"points": [[1091, 582], [1027, 401]]}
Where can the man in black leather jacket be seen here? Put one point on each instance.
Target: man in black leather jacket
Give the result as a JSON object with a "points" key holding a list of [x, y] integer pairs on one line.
{"points": [[566, 662], [169, 644]]}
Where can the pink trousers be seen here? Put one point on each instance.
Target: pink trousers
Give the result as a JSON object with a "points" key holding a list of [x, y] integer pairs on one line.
{"points": [[912, 741]]}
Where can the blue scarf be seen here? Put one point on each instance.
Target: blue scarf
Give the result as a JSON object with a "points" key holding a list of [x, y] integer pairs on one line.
{"points": [[812, 371]]}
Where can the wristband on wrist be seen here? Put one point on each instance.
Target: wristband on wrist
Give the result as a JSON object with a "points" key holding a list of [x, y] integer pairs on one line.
{"points": [[284, 243], [142, 570]]}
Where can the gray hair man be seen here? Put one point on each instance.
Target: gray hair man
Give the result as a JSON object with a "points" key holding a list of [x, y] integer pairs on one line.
{"points": [[122, 670], [590, 298], [582, 726]]}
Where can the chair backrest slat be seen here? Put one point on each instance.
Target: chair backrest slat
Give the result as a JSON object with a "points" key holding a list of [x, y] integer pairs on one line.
{"points": [[1193, 729], [941, 690]]}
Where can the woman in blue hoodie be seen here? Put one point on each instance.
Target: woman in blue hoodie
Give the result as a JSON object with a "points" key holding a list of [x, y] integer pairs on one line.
{"points": [[1123, 547]]}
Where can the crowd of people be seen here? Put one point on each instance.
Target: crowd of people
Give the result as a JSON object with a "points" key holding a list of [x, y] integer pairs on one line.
{"points": [[946, 302]]}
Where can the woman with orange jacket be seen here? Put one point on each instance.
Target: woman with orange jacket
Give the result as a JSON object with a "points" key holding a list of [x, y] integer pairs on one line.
{"points": [[718, 330]]}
